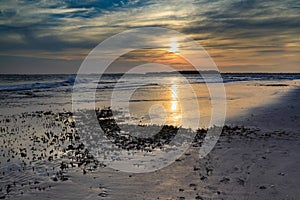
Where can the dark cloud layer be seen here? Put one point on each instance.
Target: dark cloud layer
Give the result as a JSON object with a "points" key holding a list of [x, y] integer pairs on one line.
{"points": [[231, 30]]}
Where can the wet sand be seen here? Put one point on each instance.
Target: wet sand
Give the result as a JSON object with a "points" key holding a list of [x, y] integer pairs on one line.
{"points": [[257, 159]]}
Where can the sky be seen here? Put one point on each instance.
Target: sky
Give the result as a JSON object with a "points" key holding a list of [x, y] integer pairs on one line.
{"points": [[47, 36]]}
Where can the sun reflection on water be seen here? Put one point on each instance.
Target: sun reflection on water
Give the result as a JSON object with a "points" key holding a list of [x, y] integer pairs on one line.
{"points": [[173, 105], [175, 114]]}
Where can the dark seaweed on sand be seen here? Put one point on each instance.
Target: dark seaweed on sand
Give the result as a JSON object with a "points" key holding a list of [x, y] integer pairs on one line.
{"points": [[64, 149]]}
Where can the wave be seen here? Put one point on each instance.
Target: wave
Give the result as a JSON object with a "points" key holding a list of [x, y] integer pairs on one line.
{"points": [[70, 81], [110, 82], [229, 77]]}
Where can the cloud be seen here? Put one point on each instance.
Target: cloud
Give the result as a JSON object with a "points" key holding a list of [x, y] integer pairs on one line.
{"points": [[54, 29]]}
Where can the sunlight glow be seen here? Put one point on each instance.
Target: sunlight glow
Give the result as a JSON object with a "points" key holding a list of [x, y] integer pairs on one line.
{"points": [[174, 45]]}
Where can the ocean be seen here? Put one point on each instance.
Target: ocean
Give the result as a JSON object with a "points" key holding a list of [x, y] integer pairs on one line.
{"points": [[27, 93]]}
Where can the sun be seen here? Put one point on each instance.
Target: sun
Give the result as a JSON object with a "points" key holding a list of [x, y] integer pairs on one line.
{"points": [[174, 45]]}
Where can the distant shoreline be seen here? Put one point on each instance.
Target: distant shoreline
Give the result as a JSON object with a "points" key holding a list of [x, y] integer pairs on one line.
{"points": [[162, 73]]}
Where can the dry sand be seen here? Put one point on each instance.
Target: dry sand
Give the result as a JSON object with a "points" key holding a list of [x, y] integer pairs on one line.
{"points": [[269, 106]]}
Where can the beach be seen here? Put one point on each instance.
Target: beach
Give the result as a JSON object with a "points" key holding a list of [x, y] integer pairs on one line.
{"points": [[134, 100], [256, 156]]}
